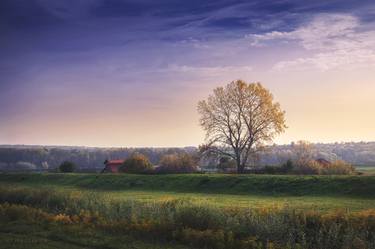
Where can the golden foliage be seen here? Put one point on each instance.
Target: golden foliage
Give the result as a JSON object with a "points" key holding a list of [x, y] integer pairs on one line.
{"points": [[136, 163], [241, 117], [177, 163]]}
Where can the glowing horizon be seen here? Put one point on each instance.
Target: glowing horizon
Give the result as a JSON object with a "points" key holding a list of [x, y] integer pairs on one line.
{"points": [[129, 74]]}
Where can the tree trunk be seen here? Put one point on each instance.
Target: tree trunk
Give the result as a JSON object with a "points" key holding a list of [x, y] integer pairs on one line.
{"points": [[238, 163]]}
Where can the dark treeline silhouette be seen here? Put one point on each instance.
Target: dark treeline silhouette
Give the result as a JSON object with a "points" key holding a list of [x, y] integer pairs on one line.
{"points": [[43, 158]]}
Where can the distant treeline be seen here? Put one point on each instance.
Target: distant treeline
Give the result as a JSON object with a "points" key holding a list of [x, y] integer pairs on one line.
{"points": [[361, 153], [42, 158]]}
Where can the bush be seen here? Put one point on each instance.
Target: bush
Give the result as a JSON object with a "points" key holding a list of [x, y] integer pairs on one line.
{"points": [[338, 167], [313, 167], [226, 164], [288, 166], [177, 163], [67, 167], [275, 170], [310, 167], [136, 163]]}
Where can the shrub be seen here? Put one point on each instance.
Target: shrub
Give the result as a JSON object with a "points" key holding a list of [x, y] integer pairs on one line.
{"points": [[226, 164], [288, 166], [338, 167], [272, 170], [67, 167], [177, 163], [136, 163], [310, 167], [313, 167]]}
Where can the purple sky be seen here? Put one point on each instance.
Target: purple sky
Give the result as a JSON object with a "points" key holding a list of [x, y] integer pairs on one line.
{"points": [[129, 73]]}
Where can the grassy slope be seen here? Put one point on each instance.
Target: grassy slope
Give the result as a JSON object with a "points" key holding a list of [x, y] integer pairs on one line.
{"points": [[300, 192], [363, 186]]}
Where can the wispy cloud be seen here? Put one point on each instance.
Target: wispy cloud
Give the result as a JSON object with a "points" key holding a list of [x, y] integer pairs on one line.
{"points": [[333, 41], [68, 9], [213, 71]]}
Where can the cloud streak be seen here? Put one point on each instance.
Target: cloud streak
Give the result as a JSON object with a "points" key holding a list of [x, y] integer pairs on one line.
{"points": [[335, 40]]}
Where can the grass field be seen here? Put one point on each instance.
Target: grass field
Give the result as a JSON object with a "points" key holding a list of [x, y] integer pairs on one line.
{"points": [[270, 207], [367, 170], [270, 185], [298, 192]]}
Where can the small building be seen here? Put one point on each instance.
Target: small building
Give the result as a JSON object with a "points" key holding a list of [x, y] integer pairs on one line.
{"points": [[112, 166], [323, 162]]}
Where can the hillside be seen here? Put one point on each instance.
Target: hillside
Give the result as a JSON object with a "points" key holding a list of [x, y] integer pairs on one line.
{"points": [[363, 186]]}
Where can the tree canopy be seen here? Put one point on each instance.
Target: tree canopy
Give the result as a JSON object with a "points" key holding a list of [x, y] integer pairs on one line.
{"points": [[67, 167], [177, 163], [136, 163], [239, 118]]}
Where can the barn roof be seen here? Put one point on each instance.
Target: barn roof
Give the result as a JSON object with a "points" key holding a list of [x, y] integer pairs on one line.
{"points": [[323, 161], [114, 162]]}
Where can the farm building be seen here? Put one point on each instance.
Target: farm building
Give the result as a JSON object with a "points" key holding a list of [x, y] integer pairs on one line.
{"points": [[112, 166], [323, 162]]}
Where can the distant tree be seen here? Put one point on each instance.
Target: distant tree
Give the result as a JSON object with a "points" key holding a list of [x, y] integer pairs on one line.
{"points": [[287, 166], [67, 167], [303, 152], [136, 163], [239, 118], [177, 163]]}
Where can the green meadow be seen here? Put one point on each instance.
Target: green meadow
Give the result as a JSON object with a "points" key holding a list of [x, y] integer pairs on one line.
{"points": [[299, 192], [186, 211], [366, 170]]}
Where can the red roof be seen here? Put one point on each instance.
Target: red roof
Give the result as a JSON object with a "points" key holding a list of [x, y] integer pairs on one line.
{"points": [[115, 162], [323, 161]]}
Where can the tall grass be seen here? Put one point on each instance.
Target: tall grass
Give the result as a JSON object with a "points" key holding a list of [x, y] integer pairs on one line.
{"points": [[199, 225]]}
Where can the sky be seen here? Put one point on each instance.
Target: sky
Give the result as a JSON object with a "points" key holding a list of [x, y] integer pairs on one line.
{"points": [[130, 72]]}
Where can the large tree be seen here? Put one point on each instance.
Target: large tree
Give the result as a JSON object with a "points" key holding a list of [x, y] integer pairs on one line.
{"points": [[238, 119]]}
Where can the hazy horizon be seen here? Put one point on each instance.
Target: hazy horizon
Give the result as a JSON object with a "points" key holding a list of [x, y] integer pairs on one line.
{"points": [[130, 73], [181, 146]]}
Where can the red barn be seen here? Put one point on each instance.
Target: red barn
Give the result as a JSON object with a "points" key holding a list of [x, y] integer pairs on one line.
{"points": [[112, 166]]}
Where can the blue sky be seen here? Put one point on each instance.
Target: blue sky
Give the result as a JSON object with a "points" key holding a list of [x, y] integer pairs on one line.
{"points": [[129, 73]]}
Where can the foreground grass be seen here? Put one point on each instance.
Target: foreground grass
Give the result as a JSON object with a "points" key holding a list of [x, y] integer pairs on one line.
{"points": [[200, 211], [199, 226], [20, 233]]}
